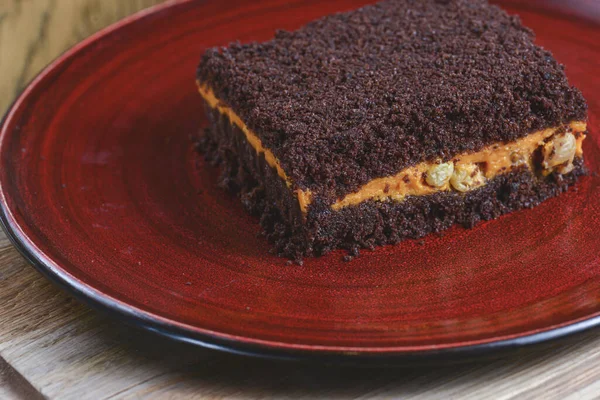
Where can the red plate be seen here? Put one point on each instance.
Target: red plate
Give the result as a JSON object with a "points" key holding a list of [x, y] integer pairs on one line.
{"points": [[102, 191]]}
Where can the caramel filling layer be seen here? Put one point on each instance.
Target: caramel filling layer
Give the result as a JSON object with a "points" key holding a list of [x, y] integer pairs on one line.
{"points": [[464, 172], [491, 161]]}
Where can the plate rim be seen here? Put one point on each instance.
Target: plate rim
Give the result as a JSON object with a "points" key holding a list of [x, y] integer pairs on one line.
{"points": [[218, 340]]}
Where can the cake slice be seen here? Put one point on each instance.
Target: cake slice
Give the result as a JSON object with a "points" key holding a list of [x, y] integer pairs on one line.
{"points": [[390, 122]]}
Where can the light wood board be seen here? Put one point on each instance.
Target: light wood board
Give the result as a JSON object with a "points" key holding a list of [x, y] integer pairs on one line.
{"points": [[51, 346]]}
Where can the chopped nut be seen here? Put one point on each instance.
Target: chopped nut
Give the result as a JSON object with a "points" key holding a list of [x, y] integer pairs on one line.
{"points": [[559, 153], [467, 177], [517, 158], [566, 168], [439, 175]]}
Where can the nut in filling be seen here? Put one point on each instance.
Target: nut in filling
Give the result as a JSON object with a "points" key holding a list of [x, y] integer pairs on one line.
{"points": [[467, 177], [519, 158], [559, 152], [439, 175]]}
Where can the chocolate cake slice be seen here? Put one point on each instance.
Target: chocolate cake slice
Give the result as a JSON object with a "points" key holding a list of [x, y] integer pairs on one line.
{"points": [[390, 122]]}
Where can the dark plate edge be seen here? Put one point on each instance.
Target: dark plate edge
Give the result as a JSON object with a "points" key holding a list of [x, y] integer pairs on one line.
{"points": [[139, 319]]}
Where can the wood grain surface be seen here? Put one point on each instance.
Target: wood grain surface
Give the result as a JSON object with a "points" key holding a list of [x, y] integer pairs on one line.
{"points": [[51, 346]]}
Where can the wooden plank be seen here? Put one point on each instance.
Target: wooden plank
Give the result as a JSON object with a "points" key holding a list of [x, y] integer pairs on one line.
{"points": [[60, 349], [34, 32], [14, 386]]}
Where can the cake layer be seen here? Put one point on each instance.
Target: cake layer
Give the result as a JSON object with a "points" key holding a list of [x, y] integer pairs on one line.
{"points": [[462, 173], [370, 223], [304, 197], [361, 95], [262, 191]]}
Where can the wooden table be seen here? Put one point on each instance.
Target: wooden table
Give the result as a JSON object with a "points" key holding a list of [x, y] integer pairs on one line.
{"points": [[53, 347]]}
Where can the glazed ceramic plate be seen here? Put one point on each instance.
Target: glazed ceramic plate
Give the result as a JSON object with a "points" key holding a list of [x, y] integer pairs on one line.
{"points": [[102, 191]]}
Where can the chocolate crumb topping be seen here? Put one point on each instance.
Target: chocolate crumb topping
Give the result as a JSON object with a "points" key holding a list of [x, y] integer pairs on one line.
{"points": [[364, 94]]}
